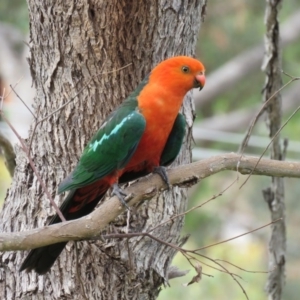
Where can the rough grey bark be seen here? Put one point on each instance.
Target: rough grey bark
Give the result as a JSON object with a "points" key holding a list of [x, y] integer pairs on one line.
{"points": [[274, 195], [71, 41]]}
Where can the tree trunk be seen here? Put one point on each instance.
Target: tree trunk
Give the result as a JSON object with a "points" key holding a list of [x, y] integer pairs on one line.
{"points": [[73, 42]]}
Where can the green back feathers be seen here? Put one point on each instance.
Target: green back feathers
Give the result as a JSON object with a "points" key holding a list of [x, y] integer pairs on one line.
{"points": [[112, 146]]}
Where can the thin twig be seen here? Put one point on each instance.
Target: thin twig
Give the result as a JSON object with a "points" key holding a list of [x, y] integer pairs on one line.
{"points": [[189, 257], [232, 275], [242, 269], [25, 149], [195, 207], [22, 101], [271, 141], [14, 87], [237, 236], [187, 253], [71, 100], [262, 109]]}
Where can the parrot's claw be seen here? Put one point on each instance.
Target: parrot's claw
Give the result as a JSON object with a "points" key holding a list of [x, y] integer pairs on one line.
{"points": [[117, 191], [161, 171]]}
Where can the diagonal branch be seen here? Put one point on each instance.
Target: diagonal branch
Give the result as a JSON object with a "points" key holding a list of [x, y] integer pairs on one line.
{"points": [[185, 175]]}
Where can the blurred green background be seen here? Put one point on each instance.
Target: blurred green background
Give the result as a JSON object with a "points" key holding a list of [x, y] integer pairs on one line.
{"points": [[230, 29]]}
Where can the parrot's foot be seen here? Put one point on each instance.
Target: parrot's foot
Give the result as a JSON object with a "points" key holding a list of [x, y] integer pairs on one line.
{"points": [[117, 191], [161, 171]]}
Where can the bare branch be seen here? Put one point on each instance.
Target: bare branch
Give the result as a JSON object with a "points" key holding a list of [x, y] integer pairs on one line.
{"points": [[196, 207], [25, 149], [245, 270], [272, 140], [24, 103], [71, 100], [235, 237], [90, 226], [232, 275]]}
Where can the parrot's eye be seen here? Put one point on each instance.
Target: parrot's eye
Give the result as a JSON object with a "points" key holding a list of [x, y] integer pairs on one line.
{"points": [[185, 69]]}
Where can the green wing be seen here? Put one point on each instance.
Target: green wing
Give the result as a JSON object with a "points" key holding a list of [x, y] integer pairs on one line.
{"points": [[174, 142], [170, 152], [111, 147]]}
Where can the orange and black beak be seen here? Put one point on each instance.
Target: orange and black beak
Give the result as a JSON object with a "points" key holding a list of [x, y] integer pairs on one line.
{"points": [[199, 81]]}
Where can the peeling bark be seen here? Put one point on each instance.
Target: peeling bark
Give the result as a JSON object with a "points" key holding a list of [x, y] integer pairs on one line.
{"points": [[71, 43]]}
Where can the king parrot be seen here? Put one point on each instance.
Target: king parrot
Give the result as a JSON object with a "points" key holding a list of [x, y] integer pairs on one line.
{"points": [[141, 136]]}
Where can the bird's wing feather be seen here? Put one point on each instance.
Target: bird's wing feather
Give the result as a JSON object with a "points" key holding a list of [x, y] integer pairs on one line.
{"points": [[109, 150], [174, 142]]}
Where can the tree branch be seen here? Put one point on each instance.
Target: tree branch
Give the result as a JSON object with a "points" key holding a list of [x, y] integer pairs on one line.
{"points": [[274, 195], [185, 175]]}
